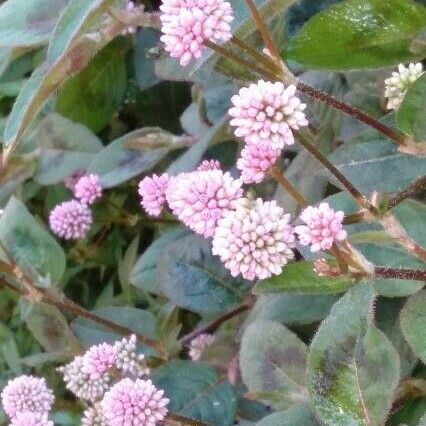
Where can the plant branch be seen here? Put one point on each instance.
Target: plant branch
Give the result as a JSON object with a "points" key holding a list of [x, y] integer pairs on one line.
{"points": [[401, 274], [417, 186], [214, 324], [276, 173], [173, 419], [365, 118]]}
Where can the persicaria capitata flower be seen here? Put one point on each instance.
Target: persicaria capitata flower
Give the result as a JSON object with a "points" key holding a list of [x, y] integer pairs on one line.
{"points": [[88, 189], [70, 220], [134, 402], [152, 191], [127, 360], [254, 240], [323, 227], [187, 24], [256, 160], [199, 344], [199, 199], [31, 419], [396, 86], [93, 416], [208, 165], [266, 112], [26, 394], [98, 360]]}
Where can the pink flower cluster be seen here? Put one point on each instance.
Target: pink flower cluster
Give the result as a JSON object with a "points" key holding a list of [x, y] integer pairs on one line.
{"points": [[72, 220], [108, 379], [187, 24], [27, 401]]}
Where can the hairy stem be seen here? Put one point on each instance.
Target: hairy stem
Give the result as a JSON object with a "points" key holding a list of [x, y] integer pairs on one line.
{"points": [[173, 419], [417, 186], [276, 173], [402, 274]]}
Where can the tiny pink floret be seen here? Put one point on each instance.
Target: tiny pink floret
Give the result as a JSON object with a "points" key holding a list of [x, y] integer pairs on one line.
{"points": [[98, 360], [209, 165], [152, 191], [323, 227], [88, 189]]}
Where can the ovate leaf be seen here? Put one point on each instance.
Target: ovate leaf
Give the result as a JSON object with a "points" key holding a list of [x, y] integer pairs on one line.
{"points": [[410, 115], [353, 369], [26, 23], [300, 278], [356, 34], [30, 245], [197, 391], [297, 415], [273, 363], [413, 320]]}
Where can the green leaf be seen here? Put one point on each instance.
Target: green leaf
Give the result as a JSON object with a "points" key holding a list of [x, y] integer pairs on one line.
{"points": [[137, 320], [353, 369], [197, 391], [50, 328], [300, 278], [144, 273], [410, 115], [411, 214], [30, 246], [413, 320], [357, 34], [119, 162], [292, 309], [26, 23], [100, 87], [72, 23], [193, 279], [273, 361], [298, 415], [65, 147]]}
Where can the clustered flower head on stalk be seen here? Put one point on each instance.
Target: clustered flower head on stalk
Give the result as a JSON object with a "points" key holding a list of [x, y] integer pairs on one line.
{"points": [[107, 378], [152, 191], [27, 401], [397, 85], [187, 24], [199, 344]]}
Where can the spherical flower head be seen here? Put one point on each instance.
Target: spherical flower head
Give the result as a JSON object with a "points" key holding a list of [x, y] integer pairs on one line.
{"points": [[70, 220], [323, 226], [255, 240], [80, 384], [152, 191], [255, 161], [127, 361], [396, 86], [26, 394], [199, 344], [200, 199], [187, 24], [98, 360], [265, 113], [93, 416], [136, 402], [88, 189], [209, 165], [31, 419]]}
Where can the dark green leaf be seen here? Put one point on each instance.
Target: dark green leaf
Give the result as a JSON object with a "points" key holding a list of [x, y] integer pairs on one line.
{"points": [[99, 88], [197, 391], [413, 320], [192, 278], [410, 115], [298, 415], [356, 34], [273, 361], [300, 278], [353, 369], [30, 245]]}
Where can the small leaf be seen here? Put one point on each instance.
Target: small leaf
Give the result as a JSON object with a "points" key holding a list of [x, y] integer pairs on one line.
{"points": [[273, 361], [410, 115], [100, 87], [357, 34], [137, 320], [297, 415], [117, 163], [72, 23], [353, 369], [413, 320], [30, 245], [65, 147], [300, 278], [192, 278], [26, 23]]}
